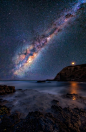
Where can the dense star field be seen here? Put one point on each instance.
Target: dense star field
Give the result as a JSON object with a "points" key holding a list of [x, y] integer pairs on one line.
{"points": [[39, 38]]}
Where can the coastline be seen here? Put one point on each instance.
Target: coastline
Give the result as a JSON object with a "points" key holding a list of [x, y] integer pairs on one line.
{"points": [[53, 113]]}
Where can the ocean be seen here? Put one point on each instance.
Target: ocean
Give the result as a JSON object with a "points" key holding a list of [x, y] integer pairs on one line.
{"points": [[52, 87]]}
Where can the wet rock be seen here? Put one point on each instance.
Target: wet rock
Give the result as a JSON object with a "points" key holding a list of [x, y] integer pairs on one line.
{"points": [[60, 120], [41, 81], [56, 108], [72, 96], [4, 110], [36, 121], [63, 127], [68, 110], [4, 89], [64, 120], [19, 89], [34, 114], [15, 117], [3, 102], [6, 124], [55, 102]]}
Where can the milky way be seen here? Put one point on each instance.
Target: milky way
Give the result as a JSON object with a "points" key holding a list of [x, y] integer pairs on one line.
{"points": [[27, 55]]}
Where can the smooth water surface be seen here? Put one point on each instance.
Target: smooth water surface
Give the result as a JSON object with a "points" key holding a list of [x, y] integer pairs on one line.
{"points": [[52, 87]]}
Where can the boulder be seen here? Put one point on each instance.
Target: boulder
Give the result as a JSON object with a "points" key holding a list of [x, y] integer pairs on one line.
{"points": [[4, 89], [41, 81]]}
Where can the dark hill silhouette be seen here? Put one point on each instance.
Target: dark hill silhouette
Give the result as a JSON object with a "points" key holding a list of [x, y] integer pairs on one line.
{"points": [[72, 73]]}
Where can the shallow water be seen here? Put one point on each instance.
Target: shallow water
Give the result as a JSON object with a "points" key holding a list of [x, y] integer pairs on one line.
{"points": [[38, 96], [52, 87]]}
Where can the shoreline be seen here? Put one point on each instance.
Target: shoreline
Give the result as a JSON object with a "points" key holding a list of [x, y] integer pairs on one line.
{"points": [[60, 113]]}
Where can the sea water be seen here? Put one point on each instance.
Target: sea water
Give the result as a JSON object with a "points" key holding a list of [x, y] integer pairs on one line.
{"points": [[53, 87], [32, 96]]}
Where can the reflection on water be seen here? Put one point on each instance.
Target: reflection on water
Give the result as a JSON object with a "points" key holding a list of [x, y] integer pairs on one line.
{"points": [[52, 87], [38, 96], [74, 98], [74, 87]]}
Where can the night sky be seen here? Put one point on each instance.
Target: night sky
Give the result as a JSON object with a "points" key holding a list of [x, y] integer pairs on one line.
{"points": [[40, 37]]}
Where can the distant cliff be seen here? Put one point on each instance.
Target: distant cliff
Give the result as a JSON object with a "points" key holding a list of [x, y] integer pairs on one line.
{"points": [[72, 73]]}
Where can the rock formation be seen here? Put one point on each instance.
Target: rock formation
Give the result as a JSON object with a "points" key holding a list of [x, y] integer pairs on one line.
{"points": [[4, 89], [72, 73], [60, 120]]}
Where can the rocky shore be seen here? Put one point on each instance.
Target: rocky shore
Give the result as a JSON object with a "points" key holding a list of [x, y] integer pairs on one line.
{"points": [[4, 89], [59, 119]]}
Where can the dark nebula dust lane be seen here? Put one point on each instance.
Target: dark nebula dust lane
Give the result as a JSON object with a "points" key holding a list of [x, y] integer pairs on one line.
{"points": [[25, 58]]}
